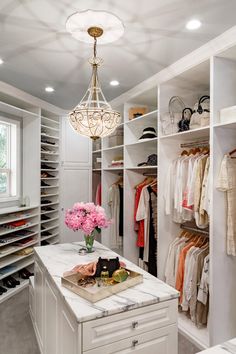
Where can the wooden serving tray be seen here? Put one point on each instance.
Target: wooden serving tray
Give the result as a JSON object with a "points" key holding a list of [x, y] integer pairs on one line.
{"points": [[95, 293]]}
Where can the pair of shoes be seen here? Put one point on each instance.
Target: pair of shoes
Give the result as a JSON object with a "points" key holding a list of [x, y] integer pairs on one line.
{"points": [[47, 208], [2, 290], [46, 201], [44, 184], [48, 142], [45, 243], [46, 233], [45, 217], [10, 282], [25, 274], [46, 175], [46, 167]]}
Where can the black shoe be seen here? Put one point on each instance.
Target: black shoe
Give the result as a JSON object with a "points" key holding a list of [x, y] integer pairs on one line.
{"points": [[47, 208], [45, 243], [45, 217], [46, 233], [2, 289], [46, 201], [46, 167], [8, 283], [25, 274], [44, 184]]}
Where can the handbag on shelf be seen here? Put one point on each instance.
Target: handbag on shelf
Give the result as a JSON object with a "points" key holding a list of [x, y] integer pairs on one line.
{"points": [[170, 120], [185, 121], [201, 113], [111, 265]]}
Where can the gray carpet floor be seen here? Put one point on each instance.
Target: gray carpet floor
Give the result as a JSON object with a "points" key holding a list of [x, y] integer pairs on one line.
{"points": [[17, 333]]}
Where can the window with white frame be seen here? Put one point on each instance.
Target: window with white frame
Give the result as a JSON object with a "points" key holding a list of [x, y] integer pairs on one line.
{"points": [[9, 159]]}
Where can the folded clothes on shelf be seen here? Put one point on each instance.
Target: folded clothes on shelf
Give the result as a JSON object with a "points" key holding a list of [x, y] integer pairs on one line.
{"points": [[25, 252]]}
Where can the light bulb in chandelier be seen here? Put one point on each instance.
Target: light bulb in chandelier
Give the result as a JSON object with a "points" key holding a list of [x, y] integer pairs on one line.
{"points": [[94, 117]]}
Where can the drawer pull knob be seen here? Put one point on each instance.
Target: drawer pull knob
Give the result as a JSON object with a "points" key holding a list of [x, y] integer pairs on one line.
{"points": [[134, 324], [135, 342]]}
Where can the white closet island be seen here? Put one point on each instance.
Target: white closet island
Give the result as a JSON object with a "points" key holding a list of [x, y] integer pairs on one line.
{"points": [[139, 320]]}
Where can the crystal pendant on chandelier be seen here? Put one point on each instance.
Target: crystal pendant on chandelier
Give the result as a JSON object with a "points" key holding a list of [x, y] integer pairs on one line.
{"points": [[94, 117]]}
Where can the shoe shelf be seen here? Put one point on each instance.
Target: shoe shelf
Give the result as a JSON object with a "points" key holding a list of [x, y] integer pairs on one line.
{"points": [[49, 145], [49, 161], [8, 219], [24, 261], [10, 292], [49, 169], [19, 248], [50, 228], [49, 236], [48, 187], [50, 131], [43, 126], [9, 260], [49, 220], [52, 153], [49, 204], [46, 121], [5, 231], [16, 209], [43, 212], [17, 238], [49, 136], [49, 195]]}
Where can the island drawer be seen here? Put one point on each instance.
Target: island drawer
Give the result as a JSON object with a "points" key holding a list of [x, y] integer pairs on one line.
{"points": [[113, 328], [161, 341]]}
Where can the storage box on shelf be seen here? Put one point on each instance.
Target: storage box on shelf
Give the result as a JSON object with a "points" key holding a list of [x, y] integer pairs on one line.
{"points": [[50, 133], [19, 232]]}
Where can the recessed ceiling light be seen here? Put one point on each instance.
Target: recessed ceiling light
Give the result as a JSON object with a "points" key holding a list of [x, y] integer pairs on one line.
{"points": [[114, 83], [49, 89], [193, 24], [1, 61]]}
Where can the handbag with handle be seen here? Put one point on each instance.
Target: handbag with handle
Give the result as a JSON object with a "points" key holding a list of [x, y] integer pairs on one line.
{"points": [[201, 113], [170, 120], [185, 121]]}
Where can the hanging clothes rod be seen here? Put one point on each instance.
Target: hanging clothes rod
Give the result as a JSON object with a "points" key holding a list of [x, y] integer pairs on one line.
{"points": [[201, 143], [195, 229], [150, 174]]}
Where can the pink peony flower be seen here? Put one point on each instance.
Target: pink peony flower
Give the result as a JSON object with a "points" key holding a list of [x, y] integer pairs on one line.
{"points": [[86, 217]]}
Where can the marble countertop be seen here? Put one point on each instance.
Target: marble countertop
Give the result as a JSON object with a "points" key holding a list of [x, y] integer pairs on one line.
{"points": [[60, 258], [227, 347]]}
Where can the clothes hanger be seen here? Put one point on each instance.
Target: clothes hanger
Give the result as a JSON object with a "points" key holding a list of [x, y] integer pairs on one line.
{"points": [[231, 153], [184, 153]]}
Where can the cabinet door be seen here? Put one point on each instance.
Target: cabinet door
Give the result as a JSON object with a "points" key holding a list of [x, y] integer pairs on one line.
{"points": [[75, 187], [76, 149], [39, 292], [159, 341], [51, 320], [69, 333]]}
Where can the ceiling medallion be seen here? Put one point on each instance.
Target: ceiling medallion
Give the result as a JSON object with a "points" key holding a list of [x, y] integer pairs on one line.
{"points": [[94, 117]]}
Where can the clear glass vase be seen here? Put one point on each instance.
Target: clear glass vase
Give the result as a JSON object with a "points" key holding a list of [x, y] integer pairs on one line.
{"points": [[89, 241]]}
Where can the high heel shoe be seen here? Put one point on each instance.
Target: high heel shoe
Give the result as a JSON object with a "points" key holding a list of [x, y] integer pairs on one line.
{"points": [[7, 282], [2, 289]]}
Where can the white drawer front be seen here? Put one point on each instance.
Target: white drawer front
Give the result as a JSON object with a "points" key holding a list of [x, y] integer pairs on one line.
{"points": [[118, 327], [159, 341]]}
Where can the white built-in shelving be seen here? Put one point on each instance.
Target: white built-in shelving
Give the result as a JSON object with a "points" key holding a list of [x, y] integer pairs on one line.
{"points": [[50, 133], [190, 78], [13, 239], [40, 126]]}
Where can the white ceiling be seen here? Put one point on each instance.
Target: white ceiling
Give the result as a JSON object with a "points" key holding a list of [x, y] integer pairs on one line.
{"points": [[38, 51]]}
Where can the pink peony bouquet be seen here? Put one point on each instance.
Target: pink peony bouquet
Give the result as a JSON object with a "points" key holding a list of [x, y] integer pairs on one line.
{"points": [[87, 217]]}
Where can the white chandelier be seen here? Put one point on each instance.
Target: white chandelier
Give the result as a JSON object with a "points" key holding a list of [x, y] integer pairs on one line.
{"points": [[94, 117]]}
